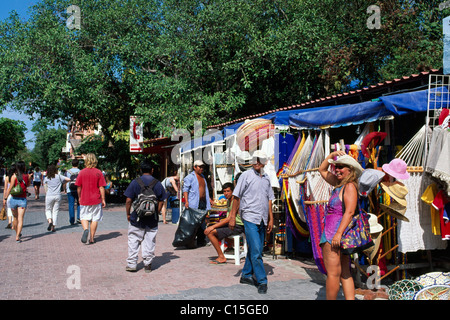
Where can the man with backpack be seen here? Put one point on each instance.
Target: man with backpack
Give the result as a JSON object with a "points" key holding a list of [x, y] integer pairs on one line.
{"points": [[72, 195], [145, 198]]}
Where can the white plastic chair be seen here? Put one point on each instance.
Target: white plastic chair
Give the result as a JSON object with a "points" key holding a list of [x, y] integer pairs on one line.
{"points": [[238, 254]]}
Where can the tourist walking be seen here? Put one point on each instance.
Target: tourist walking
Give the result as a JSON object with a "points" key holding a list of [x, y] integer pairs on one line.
{"points": [[9, 173], [253, 196], [142, 230], [91, 192], [72, 194], [52, 185], [337, 264], [18, 203], [37, 181]]}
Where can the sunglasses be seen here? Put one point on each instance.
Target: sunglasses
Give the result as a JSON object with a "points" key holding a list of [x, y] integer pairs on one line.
{"points": [[340, 166]]}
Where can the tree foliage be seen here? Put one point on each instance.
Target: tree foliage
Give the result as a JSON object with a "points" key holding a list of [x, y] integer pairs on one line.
{"points": [[12, 138], [173, 62]]}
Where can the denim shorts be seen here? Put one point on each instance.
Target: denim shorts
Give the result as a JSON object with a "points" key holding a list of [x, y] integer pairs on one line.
{"points": [[16, 202]]}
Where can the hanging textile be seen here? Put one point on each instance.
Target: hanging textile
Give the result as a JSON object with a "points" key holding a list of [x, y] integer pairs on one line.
{"points": [[417, 234], [293, 218], [315, 193]]}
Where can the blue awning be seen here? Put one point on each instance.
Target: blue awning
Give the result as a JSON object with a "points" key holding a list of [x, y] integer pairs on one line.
{"points": [[341, 115]]}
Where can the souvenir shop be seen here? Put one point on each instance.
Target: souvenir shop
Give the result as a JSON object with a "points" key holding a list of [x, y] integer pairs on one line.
{"points": [[402, 142]]}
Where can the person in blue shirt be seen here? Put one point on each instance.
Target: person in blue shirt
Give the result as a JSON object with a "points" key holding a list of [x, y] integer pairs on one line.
{"points": [[142, 232], [253, 196], [196, 195]]}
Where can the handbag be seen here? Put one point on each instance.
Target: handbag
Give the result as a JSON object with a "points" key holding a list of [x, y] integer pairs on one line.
{"points": [[356, 237], [3, 214], [17, 190]]}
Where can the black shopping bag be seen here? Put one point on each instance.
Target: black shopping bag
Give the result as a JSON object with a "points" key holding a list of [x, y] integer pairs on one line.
{"points": [[190, 221]]}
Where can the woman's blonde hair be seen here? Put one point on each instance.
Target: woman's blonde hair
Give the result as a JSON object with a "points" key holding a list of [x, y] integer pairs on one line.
{"points": [[352, 177], [90, 160]]}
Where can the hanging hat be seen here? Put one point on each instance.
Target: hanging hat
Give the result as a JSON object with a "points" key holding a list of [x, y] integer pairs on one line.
{"points": [[376, 137], [397, 169], [396, 210], [368, 181], [373, 250], [348, 161], [396, 190], [375, 227], [443, 115]]}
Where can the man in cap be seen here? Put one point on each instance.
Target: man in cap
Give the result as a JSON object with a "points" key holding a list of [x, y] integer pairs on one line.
{"points": [[253, 196], [196, 194]]}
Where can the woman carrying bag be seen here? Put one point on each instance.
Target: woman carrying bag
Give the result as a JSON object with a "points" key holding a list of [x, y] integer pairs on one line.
{"points": [[18, 203], [339, 236]]}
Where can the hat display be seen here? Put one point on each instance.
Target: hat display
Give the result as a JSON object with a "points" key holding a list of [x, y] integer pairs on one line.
{"points": [[252, 133], [348, 161], [396, 210], [397, 169], [376, 137], [373, 223], [368, 180], [396, 190]]}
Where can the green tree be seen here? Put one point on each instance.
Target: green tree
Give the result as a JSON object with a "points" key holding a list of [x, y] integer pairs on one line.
{"points": [[48, 146], [12, 138], [173, 62]]}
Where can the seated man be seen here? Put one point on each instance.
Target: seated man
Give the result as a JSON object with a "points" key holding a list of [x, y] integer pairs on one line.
{"points": [[220, 230]]}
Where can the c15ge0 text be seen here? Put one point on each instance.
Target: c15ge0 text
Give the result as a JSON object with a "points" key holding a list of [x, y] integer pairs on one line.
{"points": [[231, 309]]}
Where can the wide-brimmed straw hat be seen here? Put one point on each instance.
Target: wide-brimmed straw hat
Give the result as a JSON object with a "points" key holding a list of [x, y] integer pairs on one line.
{"points": [[368, 180], [396, 210], [397, 169], [348, 161], [396, 190]]}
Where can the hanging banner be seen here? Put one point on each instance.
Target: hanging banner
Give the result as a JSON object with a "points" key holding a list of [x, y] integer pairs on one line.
{"points": [[136, 135]]}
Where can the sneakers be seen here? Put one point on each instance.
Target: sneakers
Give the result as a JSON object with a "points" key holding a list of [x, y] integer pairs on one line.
{"points": [[147, 269]]}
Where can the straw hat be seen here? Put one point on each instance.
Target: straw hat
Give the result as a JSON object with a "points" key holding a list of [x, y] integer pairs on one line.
{"points": [[396, 190], [369, 180], [348, 161], [397, 169], [396, 210], [376, 137]]}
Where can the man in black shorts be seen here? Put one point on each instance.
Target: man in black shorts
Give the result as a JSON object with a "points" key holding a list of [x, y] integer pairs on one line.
{"points": [[220, 230]]}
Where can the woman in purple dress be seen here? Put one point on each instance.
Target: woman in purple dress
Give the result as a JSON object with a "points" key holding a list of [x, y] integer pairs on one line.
{"points": [[346, 173]]}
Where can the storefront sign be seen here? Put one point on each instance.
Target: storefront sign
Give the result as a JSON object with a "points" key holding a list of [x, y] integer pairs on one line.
{"points": [[136, 135]]}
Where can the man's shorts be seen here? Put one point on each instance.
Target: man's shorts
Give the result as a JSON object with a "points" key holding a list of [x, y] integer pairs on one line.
{"points": [[91, 213], [226, 232]]}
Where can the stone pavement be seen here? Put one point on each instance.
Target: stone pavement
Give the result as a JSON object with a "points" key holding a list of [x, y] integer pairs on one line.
{"points": [[57, 266]]}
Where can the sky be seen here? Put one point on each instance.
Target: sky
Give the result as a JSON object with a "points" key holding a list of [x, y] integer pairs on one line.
{"points": [[22, 8]]}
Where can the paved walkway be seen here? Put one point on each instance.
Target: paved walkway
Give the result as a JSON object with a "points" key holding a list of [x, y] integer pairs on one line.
{"points": [[57, 266]]}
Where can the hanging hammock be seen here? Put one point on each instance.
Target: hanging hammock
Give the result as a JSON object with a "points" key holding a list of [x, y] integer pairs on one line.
{"points": [[293, 221], [315, 193]]}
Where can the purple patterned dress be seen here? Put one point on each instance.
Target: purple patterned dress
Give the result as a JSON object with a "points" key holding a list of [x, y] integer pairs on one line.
{"points": [[333, 216]]}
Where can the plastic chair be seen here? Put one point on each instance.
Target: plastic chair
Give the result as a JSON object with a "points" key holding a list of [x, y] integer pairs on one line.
{"points": [[238, 254]]}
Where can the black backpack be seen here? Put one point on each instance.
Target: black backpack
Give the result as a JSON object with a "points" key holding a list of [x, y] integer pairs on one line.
{"points": [[146, 203], [73, 178]]}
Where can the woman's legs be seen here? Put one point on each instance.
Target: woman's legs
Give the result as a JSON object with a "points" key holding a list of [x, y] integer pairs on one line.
{"points": [[18, 214], [338, 271], [348, 285], [332, 261]]}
